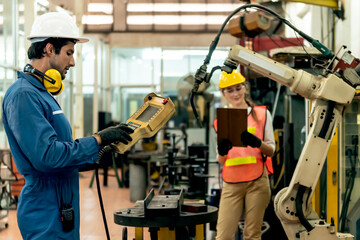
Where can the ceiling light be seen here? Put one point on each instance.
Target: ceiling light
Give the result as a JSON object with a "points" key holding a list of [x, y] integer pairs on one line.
{"points": [[101, 7], [97, 19], [182, 7], [173, 19]]}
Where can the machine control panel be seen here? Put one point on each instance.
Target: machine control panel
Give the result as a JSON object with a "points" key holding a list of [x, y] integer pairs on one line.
{"points": [[148, 119]]}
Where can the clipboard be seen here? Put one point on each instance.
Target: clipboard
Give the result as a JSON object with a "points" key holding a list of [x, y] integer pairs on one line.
{"points": [[231, 122]]}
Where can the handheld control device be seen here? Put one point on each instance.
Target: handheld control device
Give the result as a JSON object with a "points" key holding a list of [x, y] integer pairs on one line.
{"points": [[148, 119]]}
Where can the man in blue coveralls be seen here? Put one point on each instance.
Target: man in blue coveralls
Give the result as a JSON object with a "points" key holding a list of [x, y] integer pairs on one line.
{"points": [[40, 136]]}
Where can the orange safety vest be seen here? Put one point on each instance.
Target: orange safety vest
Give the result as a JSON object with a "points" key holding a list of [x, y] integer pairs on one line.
{"points": [[245, 164]]}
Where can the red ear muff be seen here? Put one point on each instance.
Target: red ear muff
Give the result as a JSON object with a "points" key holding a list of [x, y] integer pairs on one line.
{"points": [[53, 82]]}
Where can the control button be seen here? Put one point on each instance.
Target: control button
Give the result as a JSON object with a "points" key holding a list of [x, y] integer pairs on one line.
{"points": [[164, 101]]}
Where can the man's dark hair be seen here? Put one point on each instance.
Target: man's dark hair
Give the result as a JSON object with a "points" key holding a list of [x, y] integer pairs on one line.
{"points": [[36, 50]]}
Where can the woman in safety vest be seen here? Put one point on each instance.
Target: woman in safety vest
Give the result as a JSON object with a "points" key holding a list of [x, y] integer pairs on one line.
{"points": [[245, 179]]}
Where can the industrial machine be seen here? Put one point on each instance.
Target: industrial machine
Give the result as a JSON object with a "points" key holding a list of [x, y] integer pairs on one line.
{"points": [[330, 92], [148, 119], [168, 217]]}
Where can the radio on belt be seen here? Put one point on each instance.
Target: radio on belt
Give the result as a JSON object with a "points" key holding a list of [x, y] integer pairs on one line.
{"points": [[148, 119]]}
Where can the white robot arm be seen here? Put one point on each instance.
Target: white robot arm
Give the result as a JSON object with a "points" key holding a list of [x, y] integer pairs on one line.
{"points": [[330, 94], [312, 87]]}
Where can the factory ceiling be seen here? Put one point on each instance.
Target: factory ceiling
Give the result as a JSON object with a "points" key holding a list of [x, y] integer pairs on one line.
{"points": [[108, 16], [180, 16]]}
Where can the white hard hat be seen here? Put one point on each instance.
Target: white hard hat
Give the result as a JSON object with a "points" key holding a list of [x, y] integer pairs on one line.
{"points": [[54, 24]]}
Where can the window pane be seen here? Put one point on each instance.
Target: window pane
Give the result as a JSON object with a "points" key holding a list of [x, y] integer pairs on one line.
{"points": [[7, 39], [65, 99], [88, 63], [134, 66], [21, 38], [180, 66], [88, 110], [115, 104], [7, 77], [131, 100]]}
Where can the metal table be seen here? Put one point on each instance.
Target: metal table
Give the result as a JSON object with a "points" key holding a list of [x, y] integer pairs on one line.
{"points": [[162, 224]]}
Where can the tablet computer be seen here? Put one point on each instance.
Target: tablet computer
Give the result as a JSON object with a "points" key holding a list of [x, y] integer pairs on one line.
{"points": [[231, 122]]}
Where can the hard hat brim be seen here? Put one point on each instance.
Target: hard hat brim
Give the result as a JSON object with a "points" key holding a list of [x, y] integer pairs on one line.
{"points": [[227, 80], [79, 40]]}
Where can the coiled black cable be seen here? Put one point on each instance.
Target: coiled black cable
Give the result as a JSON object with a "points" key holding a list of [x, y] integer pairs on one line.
{"points": [[106, 149]]}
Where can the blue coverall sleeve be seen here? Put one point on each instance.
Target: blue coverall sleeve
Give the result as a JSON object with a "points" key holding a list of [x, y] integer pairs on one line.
{"points": [[38, 140]]}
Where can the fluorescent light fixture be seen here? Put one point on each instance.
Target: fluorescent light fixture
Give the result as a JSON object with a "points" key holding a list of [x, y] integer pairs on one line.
{"points": [[140, 20], [182, 7], [174, 19], [97, 19], [101, 7]]}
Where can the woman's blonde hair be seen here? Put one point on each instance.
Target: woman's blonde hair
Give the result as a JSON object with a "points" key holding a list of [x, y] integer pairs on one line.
{"points": [[248, 99]]}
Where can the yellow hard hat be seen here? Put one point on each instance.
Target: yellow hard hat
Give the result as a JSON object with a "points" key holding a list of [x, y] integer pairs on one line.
{"points": [[230, 79]]}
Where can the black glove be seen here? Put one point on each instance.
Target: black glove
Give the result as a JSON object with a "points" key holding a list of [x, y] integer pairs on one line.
{"points": [[224, 146], [119, 133], [250, 140]]}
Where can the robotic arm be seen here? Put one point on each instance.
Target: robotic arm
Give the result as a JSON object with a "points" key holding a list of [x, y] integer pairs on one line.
{"points": [[331, 93], [331, 87]]}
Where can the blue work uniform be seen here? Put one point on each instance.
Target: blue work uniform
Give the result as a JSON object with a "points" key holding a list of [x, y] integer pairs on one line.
{"points": [[40, 139]]}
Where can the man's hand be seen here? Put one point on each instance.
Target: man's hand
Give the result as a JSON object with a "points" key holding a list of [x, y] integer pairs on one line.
{"points": [[119, 133], [250, 140], [224, 146]]}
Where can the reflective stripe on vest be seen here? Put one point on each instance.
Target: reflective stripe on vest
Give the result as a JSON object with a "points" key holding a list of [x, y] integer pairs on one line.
{"points": [[240, 161], [251, 130]]}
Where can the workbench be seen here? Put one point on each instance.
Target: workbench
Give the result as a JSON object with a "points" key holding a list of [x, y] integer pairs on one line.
{"points": [[166, 217]]}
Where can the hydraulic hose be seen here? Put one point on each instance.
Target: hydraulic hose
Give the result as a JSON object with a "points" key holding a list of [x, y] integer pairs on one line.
{"points": [[327, 120], [194, 109], [299, 209]]}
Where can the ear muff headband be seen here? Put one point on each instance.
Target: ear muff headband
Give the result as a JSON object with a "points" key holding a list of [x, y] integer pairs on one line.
{"points": [[52, 77]]}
